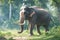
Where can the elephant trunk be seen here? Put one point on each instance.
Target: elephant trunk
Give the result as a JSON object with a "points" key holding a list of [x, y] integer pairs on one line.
{"points": [[21, 29], [21, 22]]}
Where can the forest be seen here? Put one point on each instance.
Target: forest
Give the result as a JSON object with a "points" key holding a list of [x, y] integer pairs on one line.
{"points": [[9, 20]]}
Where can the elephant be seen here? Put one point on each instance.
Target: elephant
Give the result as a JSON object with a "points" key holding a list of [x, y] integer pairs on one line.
{"points": [[35, 16]]}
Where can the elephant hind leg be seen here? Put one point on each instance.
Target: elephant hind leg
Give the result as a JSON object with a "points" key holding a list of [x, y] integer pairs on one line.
{"points": [[38, 29], [46, 29]]}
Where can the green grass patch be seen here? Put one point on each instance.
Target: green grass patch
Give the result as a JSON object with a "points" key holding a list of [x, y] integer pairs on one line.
{"points": [[53, 34]]}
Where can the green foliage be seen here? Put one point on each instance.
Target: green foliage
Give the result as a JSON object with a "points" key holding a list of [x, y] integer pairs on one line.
{"points": [[8, 33], [11, 38], [56, 31], [55, 2], [1, 34], [37, 3]]}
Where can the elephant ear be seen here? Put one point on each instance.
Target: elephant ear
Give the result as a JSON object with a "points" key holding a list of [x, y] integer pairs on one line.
{"points": [[32, 12]]}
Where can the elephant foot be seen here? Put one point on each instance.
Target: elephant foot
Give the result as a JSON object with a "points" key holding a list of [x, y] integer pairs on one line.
{"points": [[19, 32], [47, 33], [39, 33], [31, 34]]}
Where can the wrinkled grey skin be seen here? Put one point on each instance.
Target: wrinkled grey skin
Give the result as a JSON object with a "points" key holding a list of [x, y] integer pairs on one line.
{"points": [[41, 17]]}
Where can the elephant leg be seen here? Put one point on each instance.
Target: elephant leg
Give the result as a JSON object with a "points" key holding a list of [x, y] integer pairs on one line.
{"points": [[31, 29], [33, 22], [38, 29], [46, 28]]}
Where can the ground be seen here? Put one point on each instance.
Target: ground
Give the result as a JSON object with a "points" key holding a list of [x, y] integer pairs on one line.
{"points": [[54, 34]]}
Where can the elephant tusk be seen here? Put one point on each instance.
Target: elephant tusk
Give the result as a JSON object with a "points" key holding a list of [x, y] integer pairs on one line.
{"points": [[22, 23]]}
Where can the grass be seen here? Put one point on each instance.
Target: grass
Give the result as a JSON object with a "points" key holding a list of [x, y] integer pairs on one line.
{"points": [[53, 34]]}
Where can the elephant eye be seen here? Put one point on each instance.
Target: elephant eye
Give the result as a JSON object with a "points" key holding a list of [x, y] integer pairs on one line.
{"points": [[26, 9]]}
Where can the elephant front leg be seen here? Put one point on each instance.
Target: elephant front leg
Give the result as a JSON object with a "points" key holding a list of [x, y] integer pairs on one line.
{"points": [[33, 22], [31, 29]]}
